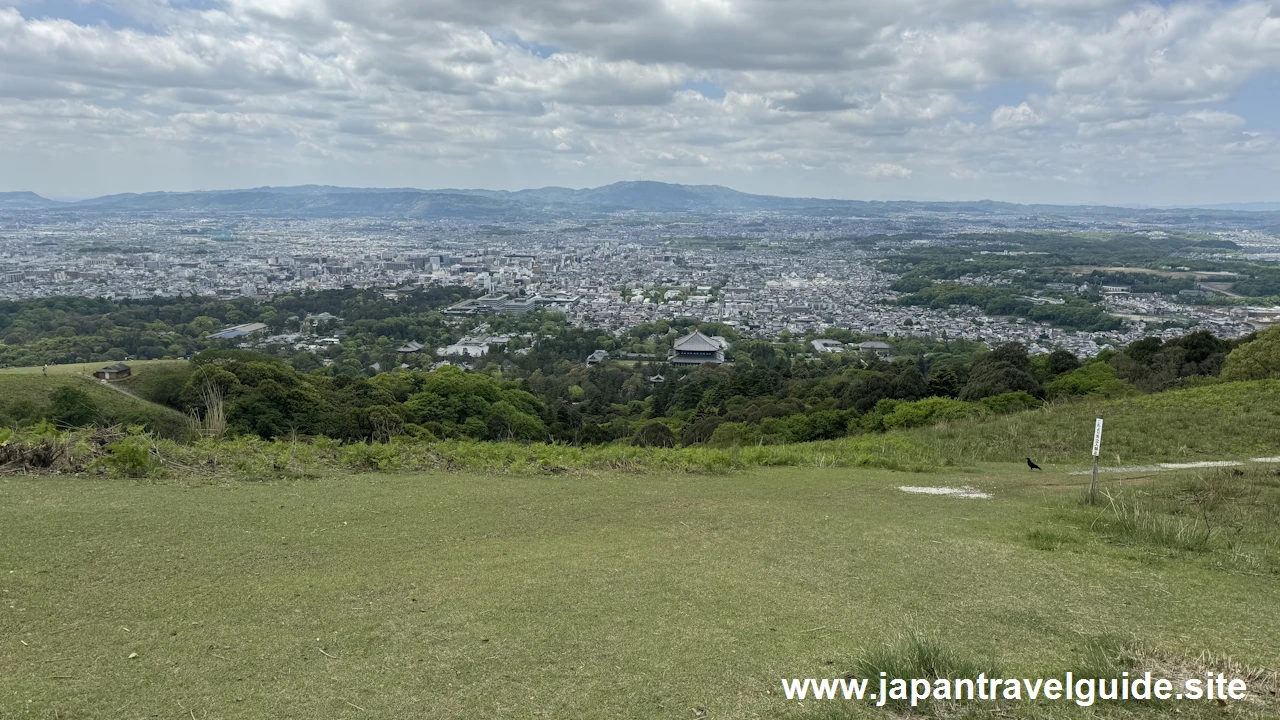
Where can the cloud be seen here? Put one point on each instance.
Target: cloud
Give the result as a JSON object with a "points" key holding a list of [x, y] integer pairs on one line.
{"points": [[1012, 98], [886, 170], [1015, 118]]}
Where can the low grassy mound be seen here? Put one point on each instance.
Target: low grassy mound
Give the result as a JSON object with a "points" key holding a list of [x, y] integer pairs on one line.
{"points": [[160, 382], [27, 397], [1219, 421]]}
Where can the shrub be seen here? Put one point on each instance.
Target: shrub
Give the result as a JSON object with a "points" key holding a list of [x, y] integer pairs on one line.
{"points": [[1257, 360], [72, 407], [701, 430], [132, 456], [1097, 379], [1010, 403], [21, 413], [770, 431], [372, 456], [928, 412], [654, 434], [874, 420]]}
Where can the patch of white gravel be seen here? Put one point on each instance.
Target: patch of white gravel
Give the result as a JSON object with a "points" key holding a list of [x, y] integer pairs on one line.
{"points": [[1164, 467], [960, 492], [1202, 463], [1127, 468]]}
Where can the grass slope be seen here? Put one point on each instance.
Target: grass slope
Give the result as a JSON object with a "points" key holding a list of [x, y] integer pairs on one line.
{"points": [[22, 385], [589, 596], [160, 382], [138, 366], [1228, 421], [1220, 421]]}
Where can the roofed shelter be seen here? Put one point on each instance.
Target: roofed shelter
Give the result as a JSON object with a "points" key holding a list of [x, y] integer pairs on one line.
{"points": [[117, 371]]}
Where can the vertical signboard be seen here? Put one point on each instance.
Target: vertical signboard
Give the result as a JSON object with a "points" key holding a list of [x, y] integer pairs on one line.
{"points": [[1097, 447]]}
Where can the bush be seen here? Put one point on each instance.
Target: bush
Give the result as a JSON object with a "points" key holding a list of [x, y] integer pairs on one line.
{"points": [[1098, 379], [372, 456], [654, 434], [701, 430], [771, 431], [928, 412], [21, 413], [1257, 360], [72, 407], [874, 420], [1010, 403], [132, 456]]}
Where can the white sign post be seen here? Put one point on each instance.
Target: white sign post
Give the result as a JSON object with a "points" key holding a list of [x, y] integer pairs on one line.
{"points": [[1097, 448]]}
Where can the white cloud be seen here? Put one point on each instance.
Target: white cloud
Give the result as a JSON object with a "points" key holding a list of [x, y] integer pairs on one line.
{"points": [[886, 170], [1021, 117], [948, 97]]}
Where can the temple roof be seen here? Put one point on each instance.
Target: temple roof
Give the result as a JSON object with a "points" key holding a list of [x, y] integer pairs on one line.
{"points": [[696, 342]]}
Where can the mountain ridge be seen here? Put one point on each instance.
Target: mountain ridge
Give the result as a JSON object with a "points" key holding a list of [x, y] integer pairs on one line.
{"points": [[478, 203]]}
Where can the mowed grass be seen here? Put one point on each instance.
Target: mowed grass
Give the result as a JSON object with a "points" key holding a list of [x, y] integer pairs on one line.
{"points": [[88, 368], [585, 596]]}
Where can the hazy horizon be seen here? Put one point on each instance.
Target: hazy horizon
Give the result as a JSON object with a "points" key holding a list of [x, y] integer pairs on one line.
{"points": [[1206, 205]]}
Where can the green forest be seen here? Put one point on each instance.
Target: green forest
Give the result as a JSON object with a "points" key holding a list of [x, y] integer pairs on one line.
{"points": [[331, 367], [542, 391]]}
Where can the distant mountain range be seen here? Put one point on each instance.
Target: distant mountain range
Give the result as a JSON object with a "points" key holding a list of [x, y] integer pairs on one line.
{"points": [[635, 196], [1245, 207]]}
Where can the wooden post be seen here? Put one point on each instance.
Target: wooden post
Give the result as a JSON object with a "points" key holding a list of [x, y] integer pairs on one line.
{"points": [[1097, 447]]}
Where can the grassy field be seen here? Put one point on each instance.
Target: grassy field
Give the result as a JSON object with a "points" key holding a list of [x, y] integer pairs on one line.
{"points": [[138, 366], [27, 386], [1221, 421], [603, 595]]}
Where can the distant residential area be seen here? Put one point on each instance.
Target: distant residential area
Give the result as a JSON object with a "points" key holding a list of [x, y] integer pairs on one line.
{"points": [[763, 273]]}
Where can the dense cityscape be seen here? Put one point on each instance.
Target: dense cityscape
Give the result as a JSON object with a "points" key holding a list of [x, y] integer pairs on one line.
{"points": [[762, 273]]}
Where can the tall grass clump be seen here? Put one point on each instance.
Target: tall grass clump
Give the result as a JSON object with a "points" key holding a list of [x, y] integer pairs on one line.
{"points": [[1226, 515], [1106, 656], [1129, 520], [212, 423], [914, 654]]}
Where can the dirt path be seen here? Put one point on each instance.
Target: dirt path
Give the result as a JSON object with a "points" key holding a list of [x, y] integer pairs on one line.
{"points": [[1170, 467], [122, 391], [1220, 288]]}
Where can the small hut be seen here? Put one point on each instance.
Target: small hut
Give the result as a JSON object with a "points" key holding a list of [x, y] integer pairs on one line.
{"points": [[118, 371]]}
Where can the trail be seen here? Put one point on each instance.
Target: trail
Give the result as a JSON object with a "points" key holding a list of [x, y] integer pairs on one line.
{"points": [[1169, 467], [122, 391], [1220, 288]]}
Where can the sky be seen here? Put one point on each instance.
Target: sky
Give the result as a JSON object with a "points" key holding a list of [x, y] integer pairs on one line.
{"points": [[1060, 101]]}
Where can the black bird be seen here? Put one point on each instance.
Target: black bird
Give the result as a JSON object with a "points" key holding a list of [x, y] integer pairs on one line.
{"points": [[1032, 465]]}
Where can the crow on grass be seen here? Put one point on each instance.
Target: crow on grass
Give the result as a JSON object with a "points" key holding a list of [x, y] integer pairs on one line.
{"points": [[1032, 465]]}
